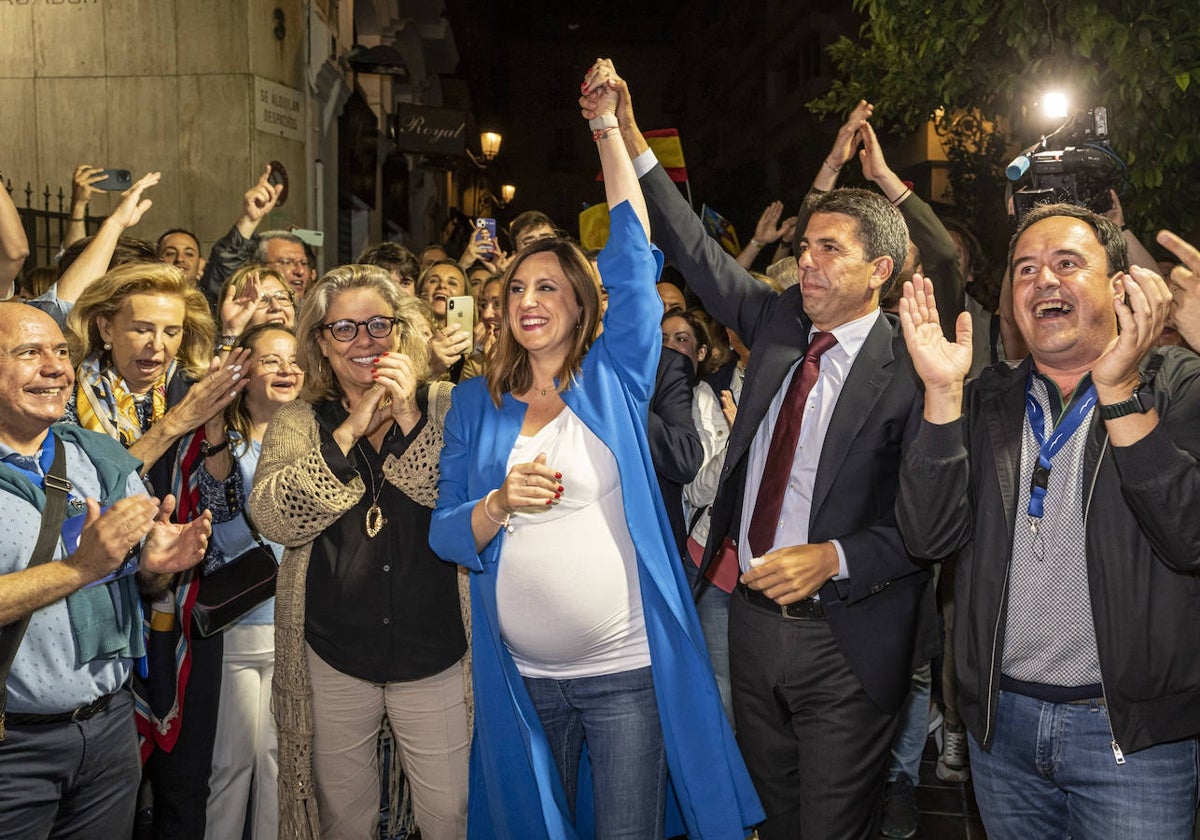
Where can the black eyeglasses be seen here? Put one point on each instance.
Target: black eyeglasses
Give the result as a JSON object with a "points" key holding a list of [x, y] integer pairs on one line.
{"points": [[379, 326], [281, 298]]}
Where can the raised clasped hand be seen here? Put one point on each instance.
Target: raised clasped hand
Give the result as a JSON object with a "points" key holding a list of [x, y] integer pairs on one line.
{"points": [[598, 92], [848, 136]]}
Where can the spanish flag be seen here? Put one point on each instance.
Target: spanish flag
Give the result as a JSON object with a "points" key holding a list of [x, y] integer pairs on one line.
{"points": [[665, 144], [669, 150], [593, 226]]}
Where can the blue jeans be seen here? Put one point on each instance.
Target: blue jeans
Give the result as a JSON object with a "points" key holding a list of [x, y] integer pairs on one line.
{"points": [[617, 716], [914, 728], [713, 609], [1051, 774]]}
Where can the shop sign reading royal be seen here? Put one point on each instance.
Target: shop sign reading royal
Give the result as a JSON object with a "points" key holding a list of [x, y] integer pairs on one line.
{"points": [[432, 131]]}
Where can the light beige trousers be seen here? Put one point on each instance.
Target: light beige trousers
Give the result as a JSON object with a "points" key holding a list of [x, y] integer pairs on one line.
{"points": [[429, 723]]}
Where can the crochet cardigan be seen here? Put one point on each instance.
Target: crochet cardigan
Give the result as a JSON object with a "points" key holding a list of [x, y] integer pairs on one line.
{"points": [[294, 499]]}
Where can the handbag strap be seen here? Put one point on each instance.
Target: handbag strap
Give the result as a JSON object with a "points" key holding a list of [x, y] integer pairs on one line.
{"points": [[253, 530], [56, 487]]}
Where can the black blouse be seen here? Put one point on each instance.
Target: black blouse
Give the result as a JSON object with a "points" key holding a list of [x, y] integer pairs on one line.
{"points": [[381, 608]]}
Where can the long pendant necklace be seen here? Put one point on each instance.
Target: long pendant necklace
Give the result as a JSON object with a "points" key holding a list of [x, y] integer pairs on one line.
{"points": [[375, 518]]}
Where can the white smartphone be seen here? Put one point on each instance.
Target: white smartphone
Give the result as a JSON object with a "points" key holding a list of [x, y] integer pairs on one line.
{"points": [[461, 311]]}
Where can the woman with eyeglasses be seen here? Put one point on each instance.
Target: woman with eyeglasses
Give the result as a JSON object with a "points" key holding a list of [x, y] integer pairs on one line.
{"points": [[253, 295], [367, 618], [245, 757]]}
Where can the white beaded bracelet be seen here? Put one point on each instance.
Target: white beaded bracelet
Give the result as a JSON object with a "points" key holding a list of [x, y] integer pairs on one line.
{"points": [[601, 121]]}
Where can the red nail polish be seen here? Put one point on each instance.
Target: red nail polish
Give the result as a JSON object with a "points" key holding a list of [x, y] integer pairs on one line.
{"points": [[560, 488], [558, 475], [549, 501], [558, 495]]}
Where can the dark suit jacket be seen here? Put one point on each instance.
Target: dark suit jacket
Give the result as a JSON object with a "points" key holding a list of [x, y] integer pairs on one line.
{"points": [[674, 442], [721, 378], [874, 613]]}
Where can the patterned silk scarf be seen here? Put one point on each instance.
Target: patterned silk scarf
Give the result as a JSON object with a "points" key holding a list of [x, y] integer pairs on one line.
{"points": [[104, 404]]}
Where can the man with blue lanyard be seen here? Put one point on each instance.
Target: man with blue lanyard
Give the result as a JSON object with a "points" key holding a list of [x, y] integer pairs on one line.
{"points": [[1070, 483], [70, 606]]}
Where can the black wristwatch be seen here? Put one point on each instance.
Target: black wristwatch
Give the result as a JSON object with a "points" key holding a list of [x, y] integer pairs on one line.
{"points": [[1141, 402]]}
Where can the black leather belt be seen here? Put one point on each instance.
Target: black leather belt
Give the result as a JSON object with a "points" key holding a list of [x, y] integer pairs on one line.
{"points": [[809, 609], [74, 716]]}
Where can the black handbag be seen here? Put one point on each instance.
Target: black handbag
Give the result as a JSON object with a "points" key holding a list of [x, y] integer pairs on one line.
{"points": [[234, 589]]}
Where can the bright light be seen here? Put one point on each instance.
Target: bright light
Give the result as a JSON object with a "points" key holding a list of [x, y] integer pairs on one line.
{"points": [[507, 193], [489, 143], [1055, 105]]}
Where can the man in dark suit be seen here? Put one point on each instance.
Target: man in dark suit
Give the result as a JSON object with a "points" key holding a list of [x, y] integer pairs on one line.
{"points": [[674, 442], [823, 622]]}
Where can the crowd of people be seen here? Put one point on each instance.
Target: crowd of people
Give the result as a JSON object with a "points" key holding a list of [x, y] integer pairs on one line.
{"points": [[654, 545]]}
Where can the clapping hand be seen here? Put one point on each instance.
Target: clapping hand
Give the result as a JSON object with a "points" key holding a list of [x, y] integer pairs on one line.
{"points": [[942, 365], [172, 547], [849, 135], [1142, 303]]}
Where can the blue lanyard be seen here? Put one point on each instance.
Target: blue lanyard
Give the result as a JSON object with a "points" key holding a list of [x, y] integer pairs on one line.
{"points": [[45, 462], [1047, 449]]}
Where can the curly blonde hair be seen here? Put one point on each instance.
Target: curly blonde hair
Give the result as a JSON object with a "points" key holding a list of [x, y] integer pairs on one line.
{"points": [[105, 297], [319, 381]]}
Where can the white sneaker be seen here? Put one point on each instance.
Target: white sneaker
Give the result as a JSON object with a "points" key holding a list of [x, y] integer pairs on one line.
{"points": [[953, 764]]}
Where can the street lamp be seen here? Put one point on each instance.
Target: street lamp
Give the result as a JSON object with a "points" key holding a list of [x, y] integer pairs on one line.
{"points": [[489, 143]]}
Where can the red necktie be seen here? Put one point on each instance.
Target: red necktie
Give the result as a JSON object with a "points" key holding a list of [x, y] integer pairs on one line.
{"points": [[778, 469]]}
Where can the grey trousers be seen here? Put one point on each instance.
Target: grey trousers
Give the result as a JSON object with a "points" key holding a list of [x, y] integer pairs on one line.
{"points": [[71, 780]]}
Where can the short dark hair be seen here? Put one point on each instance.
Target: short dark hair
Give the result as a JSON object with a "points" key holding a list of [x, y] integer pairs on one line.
{"points": [[158, 244], [525, 221], [1107, 234], [394, 257], [881, 229]]}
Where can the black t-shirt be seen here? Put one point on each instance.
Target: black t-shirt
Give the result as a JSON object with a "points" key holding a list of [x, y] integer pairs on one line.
{"points": [[383, 608]]}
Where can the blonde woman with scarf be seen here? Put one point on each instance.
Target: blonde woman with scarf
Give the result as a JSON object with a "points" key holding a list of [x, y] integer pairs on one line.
{"points": [[141, 336]]}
